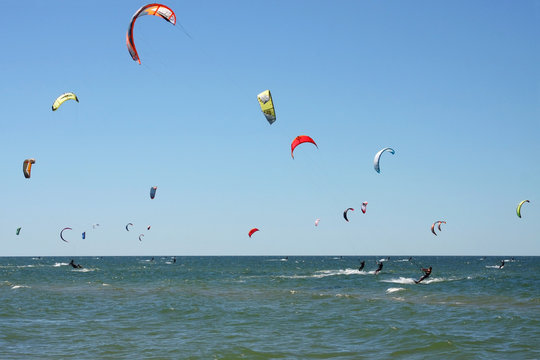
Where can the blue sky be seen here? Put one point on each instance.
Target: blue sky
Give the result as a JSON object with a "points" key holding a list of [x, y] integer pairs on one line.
{"points": [[453, 87]]}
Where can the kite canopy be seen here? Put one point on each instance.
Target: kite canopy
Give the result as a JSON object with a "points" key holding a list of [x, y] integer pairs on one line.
{"points": [[252, 231], [438, 223], [267, 106], [364, 205], [18, 230], [153, 192], [62, 232], [300, 140], [345, 213], [27, 167], [378, 156], [317, 222], [140, 237], [151, 9], [62, 99], [127, 226], [84, 235], [518, 210]]}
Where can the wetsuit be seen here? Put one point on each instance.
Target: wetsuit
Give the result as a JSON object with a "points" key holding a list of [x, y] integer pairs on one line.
{"points": [[427, 272], [379, 268], [361, 265]]}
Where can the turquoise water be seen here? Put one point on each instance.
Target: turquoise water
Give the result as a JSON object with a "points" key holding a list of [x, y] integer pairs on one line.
{"points": [[269, 308]]}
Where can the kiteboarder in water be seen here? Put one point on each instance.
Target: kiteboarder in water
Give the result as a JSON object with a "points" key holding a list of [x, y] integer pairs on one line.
{"points": [[75, 266], [502, 264], [427, 272], [361, 265], [379, 268]]}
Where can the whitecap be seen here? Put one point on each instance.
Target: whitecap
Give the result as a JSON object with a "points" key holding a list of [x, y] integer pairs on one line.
{"points": [[19, 286], [393, 290], [325, 273], [60, 264], [400, 280]]}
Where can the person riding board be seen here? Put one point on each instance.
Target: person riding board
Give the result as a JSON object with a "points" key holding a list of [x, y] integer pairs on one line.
{"points": [[379, 268], [427, 272], [361, 265], [75, 266], [502, 264]]}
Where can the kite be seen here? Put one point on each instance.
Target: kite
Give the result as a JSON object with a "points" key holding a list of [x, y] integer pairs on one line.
{"points": [[317, 222], [140, 237], [518, 210], [27, 167], [345, 213], [127, 228], [18, 230], [61, 232], [364, 205], [84, 235], [267, 106], [153, 192], [151, 9], [63, 98], [378, 156], [439, 226], [252, 231], [300, 140]]}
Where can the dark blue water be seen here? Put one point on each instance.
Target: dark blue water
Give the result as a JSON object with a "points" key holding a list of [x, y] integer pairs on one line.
{"points": [[269, 308]]}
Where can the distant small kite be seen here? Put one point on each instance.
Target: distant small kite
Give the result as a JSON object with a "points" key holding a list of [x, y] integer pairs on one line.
{"points": [[439, 226], [378, 157], [27, 167], [300, 140], [364, 205], [345, 213], [62, 99], [518, 210], [252, 231]]}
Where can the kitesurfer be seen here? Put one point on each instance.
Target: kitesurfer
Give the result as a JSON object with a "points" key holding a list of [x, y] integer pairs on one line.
{"points": [[427, 272], [380, 263], [75, 266], [361, 265], [174, 260], [502, 264]]}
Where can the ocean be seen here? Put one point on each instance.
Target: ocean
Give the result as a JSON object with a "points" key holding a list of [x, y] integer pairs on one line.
{"points": [[269, 307]]}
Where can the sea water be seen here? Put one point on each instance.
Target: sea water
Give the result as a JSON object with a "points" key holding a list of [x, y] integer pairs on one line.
{"points": [[269, 308]]}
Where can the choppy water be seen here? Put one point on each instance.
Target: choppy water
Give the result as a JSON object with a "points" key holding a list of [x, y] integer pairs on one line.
{"points": [[269, 308]]}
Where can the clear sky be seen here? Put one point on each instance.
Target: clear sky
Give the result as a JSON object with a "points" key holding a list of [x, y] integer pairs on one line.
{"points": [[452, 87]]}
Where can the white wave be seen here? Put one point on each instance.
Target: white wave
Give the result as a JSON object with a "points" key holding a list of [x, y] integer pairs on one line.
{"points": [[403, 260], [105, 284], [83, 270], [325, 273], [436, 280], [400, 280], [383, 260], [393, 290], [60, 264], [25, 266], [492, 266], [168, 262], [19, 286]]}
